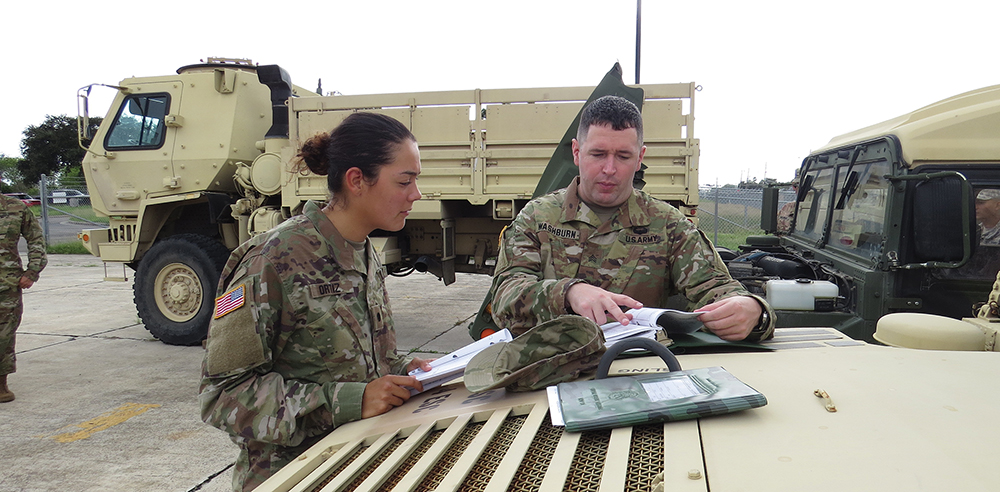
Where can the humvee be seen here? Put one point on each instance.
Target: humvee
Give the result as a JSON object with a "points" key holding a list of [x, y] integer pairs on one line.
{"points": [[886, 215]]}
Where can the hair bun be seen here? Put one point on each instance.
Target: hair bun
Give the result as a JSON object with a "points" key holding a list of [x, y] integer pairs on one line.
{"points": [[313, 153]]}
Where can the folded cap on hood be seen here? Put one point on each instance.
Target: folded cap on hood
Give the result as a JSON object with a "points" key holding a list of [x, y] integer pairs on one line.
{"points": [[552, 352]]}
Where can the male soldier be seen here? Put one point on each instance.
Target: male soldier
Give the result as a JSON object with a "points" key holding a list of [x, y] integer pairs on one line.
{"points": [[988, 215], [600, 244], [15, 221]]}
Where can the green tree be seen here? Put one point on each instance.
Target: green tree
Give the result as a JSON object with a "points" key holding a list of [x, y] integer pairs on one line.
{"points": [[51, 148], [10, 175]]}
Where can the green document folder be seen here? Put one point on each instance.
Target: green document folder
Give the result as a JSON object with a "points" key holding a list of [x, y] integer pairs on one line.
{"points": [[635, 400]]}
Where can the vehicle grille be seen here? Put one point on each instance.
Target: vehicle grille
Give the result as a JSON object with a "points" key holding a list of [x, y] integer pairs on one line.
{"points": [[513, 449], [444, 465], [532, 469]]}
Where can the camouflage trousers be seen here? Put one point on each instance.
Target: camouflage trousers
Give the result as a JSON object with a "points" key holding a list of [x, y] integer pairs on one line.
{"points": [[10, 318], [258, 461]]}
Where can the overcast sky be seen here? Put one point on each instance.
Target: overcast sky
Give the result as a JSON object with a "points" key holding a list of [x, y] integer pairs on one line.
{"points": [[779, 78]]}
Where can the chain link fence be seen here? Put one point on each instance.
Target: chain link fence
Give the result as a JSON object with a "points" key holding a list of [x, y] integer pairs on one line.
{"points": [[63, 209], [728, 215]]}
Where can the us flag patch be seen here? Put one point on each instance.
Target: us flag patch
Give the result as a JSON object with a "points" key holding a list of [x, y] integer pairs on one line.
{"points": [[229, 302]]}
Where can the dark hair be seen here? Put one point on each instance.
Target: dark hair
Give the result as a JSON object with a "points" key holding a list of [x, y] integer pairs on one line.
{"points": [[614, 111], [366, 141]]}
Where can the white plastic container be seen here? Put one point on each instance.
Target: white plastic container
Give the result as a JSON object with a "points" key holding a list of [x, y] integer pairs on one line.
{"points": [[802, 294]]}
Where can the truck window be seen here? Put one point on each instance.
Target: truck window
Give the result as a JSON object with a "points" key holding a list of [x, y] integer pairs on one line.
{"points": [[858, 225], [139, 124], [811, 217]]}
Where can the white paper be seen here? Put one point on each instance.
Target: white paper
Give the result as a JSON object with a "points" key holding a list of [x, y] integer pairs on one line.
{"points": [[648, 318], [671, 389], [452, 366], [614, 332], [555, 408]]}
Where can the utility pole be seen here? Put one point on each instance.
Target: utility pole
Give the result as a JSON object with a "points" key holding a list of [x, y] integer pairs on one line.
{"points": [[638, 36]]}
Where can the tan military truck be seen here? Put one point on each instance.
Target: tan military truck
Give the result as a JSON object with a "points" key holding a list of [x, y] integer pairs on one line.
{"points": [[187, 166]]}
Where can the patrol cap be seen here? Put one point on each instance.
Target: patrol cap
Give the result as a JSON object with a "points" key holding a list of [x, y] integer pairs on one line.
{"points": [[552, 352], [988, 194]]}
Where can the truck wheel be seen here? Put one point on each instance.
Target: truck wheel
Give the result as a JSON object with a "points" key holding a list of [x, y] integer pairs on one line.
{"points": [[175, 287]]}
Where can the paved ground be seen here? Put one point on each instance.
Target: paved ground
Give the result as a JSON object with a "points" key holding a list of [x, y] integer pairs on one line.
{"points": [[102, 406]]}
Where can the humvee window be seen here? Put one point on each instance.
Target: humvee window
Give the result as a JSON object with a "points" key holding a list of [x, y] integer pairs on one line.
{"points": [[858, 220], [811, 216], [139, 124]]}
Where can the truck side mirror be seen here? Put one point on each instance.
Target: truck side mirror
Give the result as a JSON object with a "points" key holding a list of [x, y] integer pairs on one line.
{"points": [[769, 211], [944, 221], [83, 116]]}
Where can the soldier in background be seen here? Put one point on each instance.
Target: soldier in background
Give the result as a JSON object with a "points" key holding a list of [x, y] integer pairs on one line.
{"points": [[16, 220], [600, 244], [302, 339], [988, 216]]}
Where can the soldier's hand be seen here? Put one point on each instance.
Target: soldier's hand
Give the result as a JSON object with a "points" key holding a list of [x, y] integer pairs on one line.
{"points": [[386, 392], [25, 282], [422, 364], [596, 303], [731, 318]]}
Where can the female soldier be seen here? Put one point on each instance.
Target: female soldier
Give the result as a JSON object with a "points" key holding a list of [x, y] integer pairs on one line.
{"points": [[302, 338]]}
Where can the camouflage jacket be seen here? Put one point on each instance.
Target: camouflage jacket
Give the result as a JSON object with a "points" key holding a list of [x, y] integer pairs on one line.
{"points": [[16, 221], [785, 216], [990, 235], [648, 251], [301, 325]]}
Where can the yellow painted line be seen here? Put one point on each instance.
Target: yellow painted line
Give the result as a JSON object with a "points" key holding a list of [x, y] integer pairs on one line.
{"points": [[103, 422]]}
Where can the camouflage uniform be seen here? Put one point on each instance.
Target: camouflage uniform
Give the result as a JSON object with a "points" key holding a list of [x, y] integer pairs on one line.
{"points": [[291, 363], [647, 250], [990, 236], [785, 215], [15, 221]]}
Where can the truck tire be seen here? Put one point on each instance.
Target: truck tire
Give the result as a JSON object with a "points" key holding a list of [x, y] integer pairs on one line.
{"points": [[175, 287]]}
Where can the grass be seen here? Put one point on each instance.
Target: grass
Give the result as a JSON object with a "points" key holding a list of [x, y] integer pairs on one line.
{"points": [[82, 211], [730, 240], [67, 248]]}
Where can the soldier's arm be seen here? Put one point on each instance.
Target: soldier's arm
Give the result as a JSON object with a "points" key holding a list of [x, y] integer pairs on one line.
{"points": [[522, 296], [242, 396], [33, 234], [703, 279]]}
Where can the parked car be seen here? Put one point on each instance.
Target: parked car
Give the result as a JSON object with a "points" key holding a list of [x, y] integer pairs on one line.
{"points": [[26, 198], [73, 198]]}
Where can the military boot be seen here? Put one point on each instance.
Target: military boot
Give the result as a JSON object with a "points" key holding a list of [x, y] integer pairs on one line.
{"points": [[6, 394]]}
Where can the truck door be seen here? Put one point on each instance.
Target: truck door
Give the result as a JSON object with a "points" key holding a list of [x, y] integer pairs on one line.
{"points": [[137, 147]]}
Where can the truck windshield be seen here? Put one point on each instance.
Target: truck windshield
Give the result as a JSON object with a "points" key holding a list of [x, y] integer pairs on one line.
{"points": [[139, 124], [811, 216], [858, 218]]}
